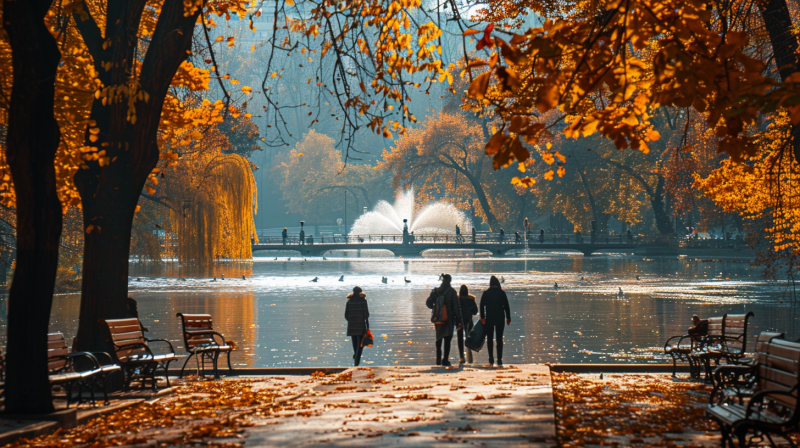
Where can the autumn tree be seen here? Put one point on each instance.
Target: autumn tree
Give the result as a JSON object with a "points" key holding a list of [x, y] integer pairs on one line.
{"points": [[607, 65], [314, 177], [444, 158], [124, 123]]}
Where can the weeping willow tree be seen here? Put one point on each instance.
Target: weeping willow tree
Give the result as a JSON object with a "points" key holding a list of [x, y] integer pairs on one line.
{"points": [[211, 195]]}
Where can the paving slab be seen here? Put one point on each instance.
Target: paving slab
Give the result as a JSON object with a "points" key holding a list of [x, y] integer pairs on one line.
{"points": [[418, 406]]}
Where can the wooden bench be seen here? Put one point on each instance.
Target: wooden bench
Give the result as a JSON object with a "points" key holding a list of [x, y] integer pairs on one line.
{"points": [[133, 353], [81, 369], [725, 340], [772, 409], [700, 349], [680, 348], [200, 340], [738, 382]]}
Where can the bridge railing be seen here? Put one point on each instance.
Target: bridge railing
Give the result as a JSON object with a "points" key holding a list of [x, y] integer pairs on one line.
{"points": [[480, 238]]}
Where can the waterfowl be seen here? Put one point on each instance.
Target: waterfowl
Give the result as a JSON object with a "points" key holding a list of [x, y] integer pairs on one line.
{"points": [[315, 279], [243, 278], [341, 279], [406, 280], [620, 293], [555, 285]]}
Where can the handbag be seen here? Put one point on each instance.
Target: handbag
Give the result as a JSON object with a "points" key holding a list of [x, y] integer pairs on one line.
{"points": [[368, 338], [476, 338]]}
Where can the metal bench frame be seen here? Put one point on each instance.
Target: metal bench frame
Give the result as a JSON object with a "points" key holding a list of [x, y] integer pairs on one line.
{"points": [[728, 342], [200, 340], [64, 372], [772, 408], [132, 352]]}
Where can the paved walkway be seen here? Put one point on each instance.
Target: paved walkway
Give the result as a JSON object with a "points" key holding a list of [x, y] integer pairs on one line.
{"points": [[419, 406]]}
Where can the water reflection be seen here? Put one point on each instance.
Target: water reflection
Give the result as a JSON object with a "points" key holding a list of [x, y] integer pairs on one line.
{"points": [[279, 317]]}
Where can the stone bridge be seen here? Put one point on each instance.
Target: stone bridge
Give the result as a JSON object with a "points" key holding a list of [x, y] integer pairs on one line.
{"points": [[412, 246]]}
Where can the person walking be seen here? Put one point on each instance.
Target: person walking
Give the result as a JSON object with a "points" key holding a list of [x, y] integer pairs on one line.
{"points": [[285, 234], [502, 236], [458, 234], [469, 308], [356, 312], [474, 235], [444, 331], [495, 310]]}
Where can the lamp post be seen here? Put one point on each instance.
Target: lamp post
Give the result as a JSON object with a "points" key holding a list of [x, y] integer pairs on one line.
{"points": [[302, 233], [186, 205]]}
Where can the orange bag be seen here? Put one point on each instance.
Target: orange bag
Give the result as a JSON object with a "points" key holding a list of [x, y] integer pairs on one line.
{"points": [[367, 340]]}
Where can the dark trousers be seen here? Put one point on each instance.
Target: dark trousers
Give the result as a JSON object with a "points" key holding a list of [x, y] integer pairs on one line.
{"points": [[357, 348], [443, 356], [465, 329], [491, 330]]}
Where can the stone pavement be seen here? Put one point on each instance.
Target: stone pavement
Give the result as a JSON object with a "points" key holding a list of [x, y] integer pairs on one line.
{"points": [[419, 406]]}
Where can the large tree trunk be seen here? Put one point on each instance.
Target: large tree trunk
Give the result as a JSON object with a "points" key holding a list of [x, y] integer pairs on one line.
{"points": [[778, 21], [33, 137], [110, 192], [592, 203], [494, 225], [663, 220]]}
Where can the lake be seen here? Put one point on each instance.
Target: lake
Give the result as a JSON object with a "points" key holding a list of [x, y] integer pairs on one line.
{"points": [[280, 318]]}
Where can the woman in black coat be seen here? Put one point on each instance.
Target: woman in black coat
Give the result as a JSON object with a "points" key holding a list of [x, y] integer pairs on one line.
{"points": [[444, 332], [357, 314], [494, 311], [469, 308]]}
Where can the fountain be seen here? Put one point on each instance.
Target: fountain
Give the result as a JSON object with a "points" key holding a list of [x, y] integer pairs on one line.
{"points": [[434, 218]]}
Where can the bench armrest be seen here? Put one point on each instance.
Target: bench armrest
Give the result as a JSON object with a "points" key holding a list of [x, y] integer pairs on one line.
{"points": [[171, 349], [680, 339], [84, 355], [103, 356], [132, 346], [221, 336], [758, 399]]}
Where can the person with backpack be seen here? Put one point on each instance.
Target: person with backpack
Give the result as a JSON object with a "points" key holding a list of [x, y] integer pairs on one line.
{"points": [[494, 311], [469, 308], [446, 314], [356, 312]]}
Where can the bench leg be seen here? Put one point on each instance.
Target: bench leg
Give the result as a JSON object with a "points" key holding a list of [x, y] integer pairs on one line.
{"points": [[166, 373], [215, 360], [230, 369], [180, 375]]}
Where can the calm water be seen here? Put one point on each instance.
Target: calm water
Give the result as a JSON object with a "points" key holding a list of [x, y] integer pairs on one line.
{"points": [[280, 318]]}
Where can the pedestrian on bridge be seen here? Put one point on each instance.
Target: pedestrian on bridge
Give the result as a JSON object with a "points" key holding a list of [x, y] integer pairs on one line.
{"points": [[356, 312], [494, 311], [474, 235], [285, 234], [444, 301], [502, 235], [458, 234]]}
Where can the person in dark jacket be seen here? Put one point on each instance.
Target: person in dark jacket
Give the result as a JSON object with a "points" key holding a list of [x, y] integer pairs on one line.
{"points": [[469, 308], [357, 314], [495, 310], [699, 328], [444, 332], [284, 235]]}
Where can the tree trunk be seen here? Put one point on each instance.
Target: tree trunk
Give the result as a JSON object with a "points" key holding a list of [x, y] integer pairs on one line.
{"points": [[484, 201], [110, 192], [592, 204], [663, 221], [33, 137], [778, 21]]}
